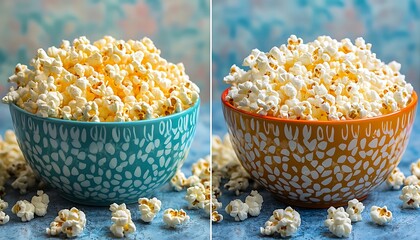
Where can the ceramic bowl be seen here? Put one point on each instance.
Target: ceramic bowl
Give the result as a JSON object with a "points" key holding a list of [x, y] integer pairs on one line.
{"points": [[102, 163], [319, 163]]}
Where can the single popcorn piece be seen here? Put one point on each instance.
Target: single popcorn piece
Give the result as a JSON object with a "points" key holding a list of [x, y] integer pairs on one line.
{"points": [[149, 208], [323, 80], [338, 222], [4, 218], [410, 196], [3, 205], [237, 209], [173, 218], [122, 222], [216, 217], [177, 182], [24, 209], [40, 203], [396, 179], [380, 215], [415, 168], [355, 209], [254, 202], [69, 222], [412, 179], [108, 80], [286, 222], [195, 197], [212, 205]]}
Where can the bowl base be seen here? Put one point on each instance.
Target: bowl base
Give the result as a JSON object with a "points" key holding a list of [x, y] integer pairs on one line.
{"points": [[314, 205]]}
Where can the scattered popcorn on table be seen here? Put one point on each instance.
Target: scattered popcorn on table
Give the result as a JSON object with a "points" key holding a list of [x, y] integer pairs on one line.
{"points": [[24, 209], [195, 197], [396, 179], [254, 202], [212, 205], [216, 217], [415, 168], [4, 218], [412, 179], [237, 209], [69, 222], [172, 217], [40, 203], [338, 222], [122, 222], [13, 164], [149, 208], [109, 80], [286, 222], [380, 215], [321, 80], [355, 209], [411, 196]]}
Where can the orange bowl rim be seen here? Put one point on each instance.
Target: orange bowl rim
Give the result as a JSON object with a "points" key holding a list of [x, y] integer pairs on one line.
{"points": [[409, 107]]}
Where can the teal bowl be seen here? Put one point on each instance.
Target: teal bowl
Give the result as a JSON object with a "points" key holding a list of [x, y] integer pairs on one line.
{"points": [[102, 163]]}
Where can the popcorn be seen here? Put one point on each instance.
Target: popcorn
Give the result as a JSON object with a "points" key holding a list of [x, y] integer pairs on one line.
{"points": [[69, 222], [380, 215], [3, 204], [149, 208], [396, 179], [338, 222], [321, 80], [122, 222], [216, 217], [109, 80], [412, 180], [4, 218], [177, 181], [172, 217], [286, 222], [13, 164], [411, 196], [254, 202], [415, 168], [354, 210], [40, 203], [24, 209], [237, 209], [195, 197]]}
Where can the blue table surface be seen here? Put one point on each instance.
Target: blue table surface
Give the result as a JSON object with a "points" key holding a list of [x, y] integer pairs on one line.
{"points": [[405, 223], [99, 218]]}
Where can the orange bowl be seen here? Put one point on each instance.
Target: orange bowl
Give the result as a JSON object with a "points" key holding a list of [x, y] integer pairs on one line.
{"points": [[319, 164]]}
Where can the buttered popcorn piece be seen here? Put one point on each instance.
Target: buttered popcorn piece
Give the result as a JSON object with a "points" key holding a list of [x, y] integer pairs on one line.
{"points": [[216, 217], [396, 179], [415, 168], [109, 80], [122, 222], [380, 215], [412, 179], [286, 222], [195, 196], [40, 203], [410, 195], [254, 202], [4, 218], [338, 222], [69, 222], [321, 80], [149, 208], [237, 209], [3, 205], [24, 209], [355, 209], [177, 181], [173, 218]]}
